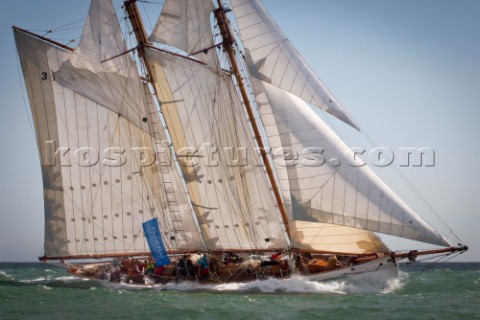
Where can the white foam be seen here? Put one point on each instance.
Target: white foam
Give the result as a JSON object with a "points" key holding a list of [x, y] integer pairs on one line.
{"points": [[393, 285], [39, 279], [6, 275], [296, 284], [66, 279], [123, 287]]}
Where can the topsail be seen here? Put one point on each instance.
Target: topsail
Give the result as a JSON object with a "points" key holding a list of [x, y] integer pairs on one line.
{"points": [[271, 57]]}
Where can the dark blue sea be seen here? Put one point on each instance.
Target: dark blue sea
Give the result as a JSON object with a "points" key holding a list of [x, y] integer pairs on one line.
{"points": [[40, 291]]}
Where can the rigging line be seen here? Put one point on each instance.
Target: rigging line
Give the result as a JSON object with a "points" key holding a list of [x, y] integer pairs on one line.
{"points": [[120, 54], [150, 24], [90, 204], [62, 30], [232, 186], [403, 178], [71, 174], [178, 169], [414, 190], [204, 34], [102, 228], [189, 207], [63, 26], [243, 211], [152, 2], [445, 257], [23, 96], [257, 114], [142, 138], [211, 118], [247, 132], [244, 132]]}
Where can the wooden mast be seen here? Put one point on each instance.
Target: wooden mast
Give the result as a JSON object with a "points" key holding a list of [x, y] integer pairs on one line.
{"points": [[138, 28], [228, 41], [143, 42], [220, 15]]}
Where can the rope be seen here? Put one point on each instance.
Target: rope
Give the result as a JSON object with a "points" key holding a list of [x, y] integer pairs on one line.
{"points": [[23, 97], [415, 191], [152, 2], [406, 181], [429, 266], [57, 29]]}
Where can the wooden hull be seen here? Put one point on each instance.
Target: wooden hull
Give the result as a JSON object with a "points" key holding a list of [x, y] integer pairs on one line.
{"points": [[378, 270]]}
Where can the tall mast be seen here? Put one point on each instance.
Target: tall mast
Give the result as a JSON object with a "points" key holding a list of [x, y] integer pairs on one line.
{"points": [[138, 29], [220, 15], [143, 41], [228, 41]]}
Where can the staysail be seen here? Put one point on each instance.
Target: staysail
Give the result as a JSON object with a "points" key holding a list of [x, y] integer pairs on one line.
{"points": [[98, 154], [321, 181], [272, 58], [307, 235]]}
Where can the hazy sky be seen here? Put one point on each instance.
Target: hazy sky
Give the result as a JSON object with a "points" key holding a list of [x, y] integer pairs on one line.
{"points": [[407, 71]]}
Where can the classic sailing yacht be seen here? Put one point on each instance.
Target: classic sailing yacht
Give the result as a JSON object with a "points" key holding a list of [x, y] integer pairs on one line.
{"points": [[165, 146]]}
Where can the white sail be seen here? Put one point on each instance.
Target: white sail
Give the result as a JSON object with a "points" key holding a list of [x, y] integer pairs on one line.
{"points": [[227, 186], [271, 57], [185, 24], [100, 185], [34, 61], [99, 69], [320, 180]]}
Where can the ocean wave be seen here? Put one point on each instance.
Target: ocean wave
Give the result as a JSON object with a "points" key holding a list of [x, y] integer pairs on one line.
{"points": [[296, 284], [49, 279], [49, 282], [6, 276]]}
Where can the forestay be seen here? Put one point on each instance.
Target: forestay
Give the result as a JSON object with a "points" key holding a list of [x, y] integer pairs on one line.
{"points": [[271, 57]]}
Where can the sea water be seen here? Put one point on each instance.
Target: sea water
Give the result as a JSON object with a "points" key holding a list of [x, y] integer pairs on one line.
{"points": [[40, 291]]}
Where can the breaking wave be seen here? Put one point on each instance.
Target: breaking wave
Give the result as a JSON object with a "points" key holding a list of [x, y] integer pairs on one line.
{"points": [[296, 284], [6, 276], [47, 281]]}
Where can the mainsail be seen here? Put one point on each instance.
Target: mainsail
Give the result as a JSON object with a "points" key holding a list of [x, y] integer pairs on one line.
{"points": [[234, 205], [105, 185]]}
